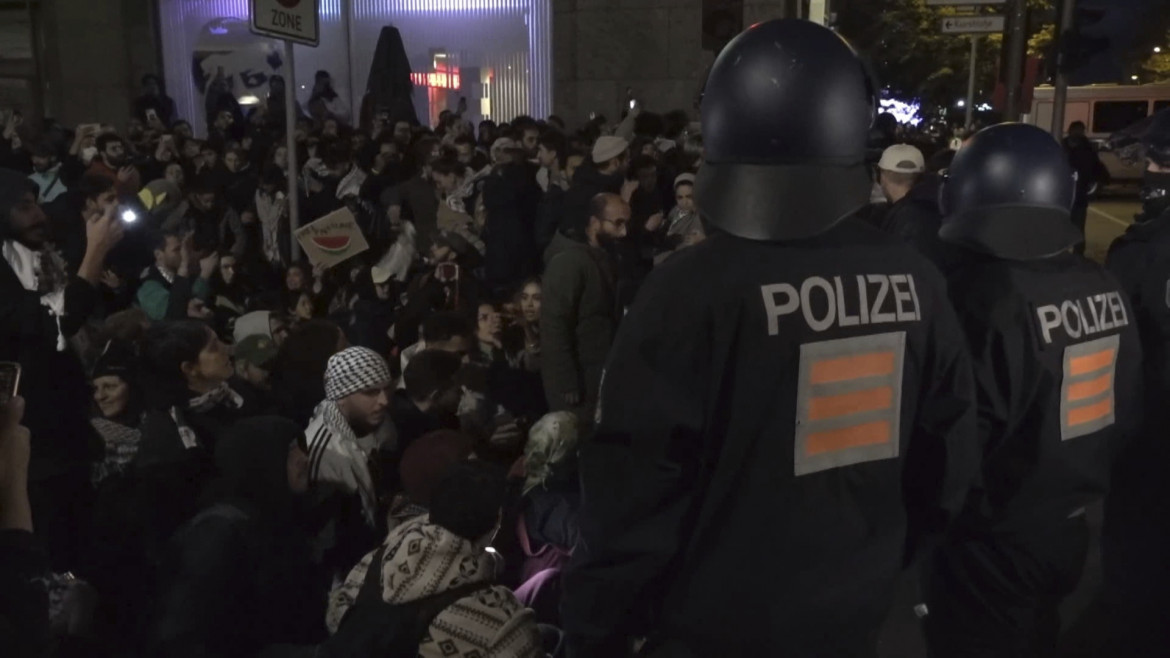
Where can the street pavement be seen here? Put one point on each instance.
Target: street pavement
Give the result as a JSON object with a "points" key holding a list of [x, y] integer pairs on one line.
{"points": [[1107, 219], [1084, 628]]}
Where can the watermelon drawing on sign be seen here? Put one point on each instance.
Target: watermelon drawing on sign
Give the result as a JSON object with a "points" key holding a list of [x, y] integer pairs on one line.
{"points": [[332, 244]]}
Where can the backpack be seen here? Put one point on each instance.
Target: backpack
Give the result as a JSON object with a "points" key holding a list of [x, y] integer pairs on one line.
{"points": [[372, 628]]}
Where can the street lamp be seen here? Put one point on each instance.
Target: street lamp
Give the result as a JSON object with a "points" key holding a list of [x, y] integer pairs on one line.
{"points": [[1157, 49], [1134, 78]]}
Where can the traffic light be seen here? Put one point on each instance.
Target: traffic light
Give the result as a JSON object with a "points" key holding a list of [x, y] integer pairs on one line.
{"points": [[1085, 40]]}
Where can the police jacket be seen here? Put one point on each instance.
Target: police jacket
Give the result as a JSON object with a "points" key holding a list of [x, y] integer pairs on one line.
{"points": [[1056, 358], [772, 417], [1138, 505]]}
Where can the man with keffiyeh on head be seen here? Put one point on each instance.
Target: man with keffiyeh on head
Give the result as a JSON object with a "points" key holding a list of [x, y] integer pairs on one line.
{"points": [[350, 424], [41, 305]]}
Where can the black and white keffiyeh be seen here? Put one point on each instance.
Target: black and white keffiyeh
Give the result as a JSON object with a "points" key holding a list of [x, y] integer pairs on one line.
{"points": [[353, 370]]}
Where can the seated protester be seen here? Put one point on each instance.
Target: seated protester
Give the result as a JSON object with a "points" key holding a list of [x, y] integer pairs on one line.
{"points": [[46, 173], [442, 555], [301, 307], [298, 374], [253, 360], [684, 227], [914, 212], [349, 425], [117, 394], [214, 224], [68, 214], [373, 311], [421, 468], [193, 407], [546, 523], [444, 331], [551, 490], [261, 323], [228, 294], [239, 576], [113, 163], [271, 205], [450, 286], [522, 335], [430, 398], [172, 267], [488, 335]]}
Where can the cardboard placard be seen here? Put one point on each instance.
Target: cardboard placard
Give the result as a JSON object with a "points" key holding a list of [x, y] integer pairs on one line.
{"points": [[332, 239]]}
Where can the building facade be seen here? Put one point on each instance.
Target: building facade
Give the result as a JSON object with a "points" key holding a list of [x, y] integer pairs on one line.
{"points": [[569, 57]]}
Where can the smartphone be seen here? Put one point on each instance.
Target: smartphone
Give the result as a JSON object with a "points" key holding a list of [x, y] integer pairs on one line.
{"points": [[9, 381], [151, 114], [128, 215]]}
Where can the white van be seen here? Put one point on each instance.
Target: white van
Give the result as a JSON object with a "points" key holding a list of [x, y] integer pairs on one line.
{"points": [[1105, 109]]}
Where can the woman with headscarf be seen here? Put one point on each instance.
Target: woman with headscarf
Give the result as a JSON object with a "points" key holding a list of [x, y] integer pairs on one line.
{"points": [[240, 575], [551, 493]]}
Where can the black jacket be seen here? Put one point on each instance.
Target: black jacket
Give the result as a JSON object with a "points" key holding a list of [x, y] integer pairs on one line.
{"points": [[1057, 361], [916, 218], [53, 384], [24, 606], [733, 500]]}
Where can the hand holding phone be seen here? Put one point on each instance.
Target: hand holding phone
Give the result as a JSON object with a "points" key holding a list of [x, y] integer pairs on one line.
{"points": [[9, 381]]}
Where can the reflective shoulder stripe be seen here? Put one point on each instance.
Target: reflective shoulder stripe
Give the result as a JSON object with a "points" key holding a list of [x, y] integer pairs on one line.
{"points": [[1086, 391], [849, 401]]}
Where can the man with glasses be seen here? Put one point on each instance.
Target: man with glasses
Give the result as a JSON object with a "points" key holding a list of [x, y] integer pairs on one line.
{"points": [[578, 315]]}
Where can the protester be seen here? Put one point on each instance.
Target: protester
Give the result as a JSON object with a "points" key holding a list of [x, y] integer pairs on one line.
{"points": [[119, 397], [240, 574], [444, 554], [577, 313], [349, 425], [45, 304]]}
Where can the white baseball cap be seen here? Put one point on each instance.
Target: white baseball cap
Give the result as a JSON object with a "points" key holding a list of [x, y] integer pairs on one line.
{"points": [[902, 159]]}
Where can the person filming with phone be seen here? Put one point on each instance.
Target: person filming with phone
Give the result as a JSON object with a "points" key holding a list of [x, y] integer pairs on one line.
{"points": [[41, 306]]}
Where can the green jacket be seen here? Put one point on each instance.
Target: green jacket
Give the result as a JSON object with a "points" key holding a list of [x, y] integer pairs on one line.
{"points": [[577, 320]]}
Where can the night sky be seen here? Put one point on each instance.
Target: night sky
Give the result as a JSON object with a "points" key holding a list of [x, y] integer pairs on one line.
{"points": [[1121, 24]]}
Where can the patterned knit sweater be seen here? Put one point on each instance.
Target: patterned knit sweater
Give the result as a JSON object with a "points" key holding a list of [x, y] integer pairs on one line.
{"points": [[423, 559]]}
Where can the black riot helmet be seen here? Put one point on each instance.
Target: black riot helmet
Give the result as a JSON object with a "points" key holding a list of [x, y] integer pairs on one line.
{"points": [[786, 112], [1009, 193]]}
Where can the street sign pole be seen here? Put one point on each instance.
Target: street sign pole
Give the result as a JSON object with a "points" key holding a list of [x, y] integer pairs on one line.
{"points": [[970, 120], [1060, 94], [1017, 46], [290, 127], [293, 21]]}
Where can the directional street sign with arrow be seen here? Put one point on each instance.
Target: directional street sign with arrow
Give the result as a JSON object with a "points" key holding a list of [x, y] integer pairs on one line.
{"points": [[972, 24]]}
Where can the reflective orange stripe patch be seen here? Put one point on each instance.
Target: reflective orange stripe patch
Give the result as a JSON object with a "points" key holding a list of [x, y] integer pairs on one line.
{"points": [[831, 406], [848, 402], [1091, 412], [1083, 365], [874, 364], [1088, 389], [866, 434]]}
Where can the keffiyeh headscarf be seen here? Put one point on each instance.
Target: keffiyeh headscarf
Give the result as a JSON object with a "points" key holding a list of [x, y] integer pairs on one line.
{"points": [[353, 370]]}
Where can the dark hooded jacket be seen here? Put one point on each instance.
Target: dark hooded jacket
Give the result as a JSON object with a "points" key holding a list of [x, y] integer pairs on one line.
{"points": [[240, 575]]}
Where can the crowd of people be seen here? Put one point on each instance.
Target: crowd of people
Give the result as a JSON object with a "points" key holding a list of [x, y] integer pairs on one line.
{"points": [[220, 449], [222, 430]]}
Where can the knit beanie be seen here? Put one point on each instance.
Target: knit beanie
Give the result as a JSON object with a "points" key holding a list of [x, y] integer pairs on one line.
{"points": [[426, 461], [353, 370]]}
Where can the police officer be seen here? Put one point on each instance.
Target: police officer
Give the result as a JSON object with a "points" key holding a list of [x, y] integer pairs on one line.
{"points": [[1056, 357], [784, 402], [1136, 536]]}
